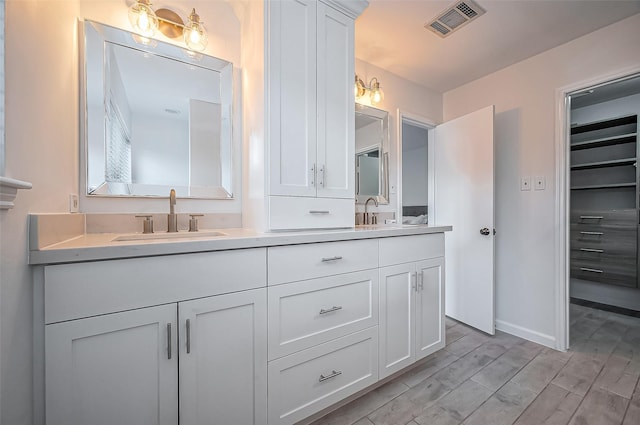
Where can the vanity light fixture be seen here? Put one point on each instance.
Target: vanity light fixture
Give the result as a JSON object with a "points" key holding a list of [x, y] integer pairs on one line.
{"points": [[146, 22], [375, 92]]}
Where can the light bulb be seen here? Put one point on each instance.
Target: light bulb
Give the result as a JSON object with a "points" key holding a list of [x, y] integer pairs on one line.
{"points": [[195, 36], [142, 18]]}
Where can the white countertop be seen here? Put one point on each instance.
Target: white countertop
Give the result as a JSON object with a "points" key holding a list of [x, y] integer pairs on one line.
{"points": [[101, 246]]}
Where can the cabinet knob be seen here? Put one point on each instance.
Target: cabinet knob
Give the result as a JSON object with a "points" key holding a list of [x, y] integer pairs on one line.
{"points": [[484, 231]]}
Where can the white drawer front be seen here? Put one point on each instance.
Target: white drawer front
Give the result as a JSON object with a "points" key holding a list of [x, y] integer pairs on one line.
{"points": [[306, 382], [294, 213], [74, 291], [406, 249], [304, 314], [299, 262]]}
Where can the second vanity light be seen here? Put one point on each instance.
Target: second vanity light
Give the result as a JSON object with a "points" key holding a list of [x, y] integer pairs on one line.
{"points": [[146, 22], [375, 92]]}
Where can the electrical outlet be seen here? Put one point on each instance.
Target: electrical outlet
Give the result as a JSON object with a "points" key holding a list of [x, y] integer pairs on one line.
{"points": [[540, 182], [73, 203], [525, 183]]}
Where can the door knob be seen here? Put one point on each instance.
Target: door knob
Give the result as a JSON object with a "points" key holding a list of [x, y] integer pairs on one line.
{"points": [[484, 231]]}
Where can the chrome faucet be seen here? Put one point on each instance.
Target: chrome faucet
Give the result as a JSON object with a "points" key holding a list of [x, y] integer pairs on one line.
{"points": [[367, 218], [172, 218]]}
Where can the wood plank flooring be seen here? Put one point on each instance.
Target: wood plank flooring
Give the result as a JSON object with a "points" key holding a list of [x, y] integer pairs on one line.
{"points": [[504, 380]]}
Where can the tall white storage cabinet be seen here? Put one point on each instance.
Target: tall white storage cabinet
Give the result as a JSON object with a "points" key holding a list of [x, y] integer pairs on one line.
{"points": [[308, 154]]}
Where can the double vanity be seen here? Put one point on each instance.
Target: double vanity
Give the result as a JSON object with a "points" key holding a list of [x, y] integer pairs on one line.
{"points": [[229, 325], [243, 327]]}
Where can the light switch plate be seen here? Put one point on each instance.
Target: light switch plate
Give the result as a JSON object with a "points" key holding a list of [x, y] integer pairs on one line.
{"points": [[525, 183], [73, 203], [539, 182]]}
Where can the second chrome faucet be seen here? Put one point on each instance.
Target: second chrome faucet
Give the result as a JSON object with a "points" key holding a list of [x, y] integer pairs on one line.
{"points": [[172, 218]]}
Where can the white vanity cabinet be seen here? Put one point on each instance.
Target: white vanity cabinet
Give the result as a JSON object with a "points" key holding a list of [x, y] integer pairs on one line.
{"points": [[222, 358], [323, 333], [411, 300], [130, 361], [118, 368]]}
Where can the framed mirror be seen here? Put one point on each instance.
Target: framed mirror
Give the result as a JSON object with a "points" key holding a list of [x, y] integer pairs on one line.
{"points": [[372, 154], [156, 117]]}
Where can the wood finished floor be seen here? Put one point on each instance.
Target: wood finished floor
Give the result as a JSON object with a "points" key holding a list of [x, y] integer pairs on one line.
{"points": [[505, 380]]}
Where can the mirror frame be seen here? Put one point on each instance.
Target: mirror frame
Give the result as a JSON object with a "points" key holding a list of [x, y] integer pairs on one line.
{"points": [[383, 146], [127, 39]]}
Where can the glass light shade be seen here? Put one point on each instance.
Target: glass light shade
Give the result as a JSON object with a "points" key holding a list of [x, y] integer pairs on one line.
{"points": [[142, 18], [376, 94], [195, 35]]}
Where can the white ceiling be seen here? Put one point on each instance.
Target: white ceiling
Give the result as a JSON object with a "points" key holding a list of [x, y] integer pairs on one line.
{"points": [[390, 34]]}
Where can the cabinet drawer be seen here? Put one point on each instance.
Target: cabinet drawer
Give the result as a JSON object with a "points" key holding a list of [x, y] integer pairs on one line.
{"points": [[295, 213], [605, 218], [79, 290], [405, 249], [621, 272], [304, 314], [308, 381], [298, 262]]}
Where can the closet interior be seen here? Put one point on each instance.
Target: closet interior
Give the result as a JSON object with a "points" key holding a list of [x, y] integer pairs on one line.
{"points": [[605, 197]]}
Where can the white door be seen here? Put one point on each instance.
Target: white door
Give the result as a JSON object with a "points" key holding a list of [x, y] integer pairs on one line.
{"points": [[397, 318], [118, 368], [223, 359], [462, 168], [429, 307], [336, 126], [292, 97]]}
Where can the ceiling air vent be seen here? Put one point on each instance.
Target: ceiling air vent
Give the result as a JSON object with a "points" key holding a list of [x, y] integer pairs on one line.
{"points": [[455, 17]]}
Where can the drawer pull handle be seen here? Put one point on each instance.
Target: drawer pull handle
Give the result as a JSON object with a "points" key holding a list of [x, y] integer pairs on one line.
{"points": [[592, 233], [585, 269], [591, 217], [330, 310], [599, 251], [333, 374], [327, 259], [319, 212]]}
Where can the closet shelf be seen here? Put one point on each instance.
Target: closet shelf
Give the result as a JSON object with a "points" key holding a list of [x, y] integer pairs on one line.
{"points": [[607, 123], [605, 141], [605, 164], [603, 186]]}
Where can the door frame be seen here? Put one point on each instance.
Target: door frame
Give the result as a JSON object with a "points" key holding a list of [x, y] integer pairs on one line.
{"points": [[563, 192], [429, 125]]}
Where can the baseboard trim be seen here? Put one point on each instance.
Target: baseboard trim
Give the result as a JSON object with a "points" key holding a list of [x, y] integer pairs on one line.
{"points": [[528, 334]]}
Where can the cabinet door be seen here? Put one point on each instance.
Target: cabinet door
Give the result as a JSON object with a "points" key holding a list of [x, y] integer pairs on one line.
{"points": [[292, 97], [397, 318], [336, 125], [223, 359], [118, 368], [430, 307]]}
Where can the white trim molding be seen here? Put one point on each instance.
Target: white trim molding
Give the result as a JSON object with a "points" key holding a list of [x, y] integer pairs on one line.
{"points": [[9, 190], [531, 335]]}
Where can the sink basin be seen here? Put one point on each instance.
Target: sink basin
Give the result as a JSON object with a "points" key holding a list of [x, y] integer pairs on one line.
{"points": [[165, 235]]}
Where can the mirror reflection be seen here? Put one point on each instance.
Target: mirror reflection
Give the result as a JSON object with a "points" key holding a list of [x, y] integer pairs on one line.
{"points": [[157, 117], [372, 154]]}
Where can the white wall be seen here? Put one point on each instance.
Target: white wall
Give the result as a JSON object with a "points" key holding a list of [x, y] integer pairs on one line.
{"points": [[525, 98], [408, 97], [42, 147]]}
